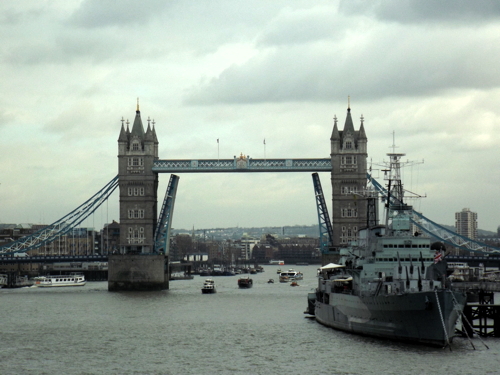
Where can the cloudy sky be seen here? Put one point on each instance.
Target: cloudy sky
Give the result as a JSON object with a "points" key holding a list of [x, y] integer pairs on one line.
{"points": [[422, 72]]}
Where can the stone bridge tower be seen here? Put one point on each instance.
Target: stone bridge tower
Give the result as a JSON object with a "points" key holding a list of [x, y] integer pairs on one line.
{"points": [[349, 157], [137, 267], [138, 186]]}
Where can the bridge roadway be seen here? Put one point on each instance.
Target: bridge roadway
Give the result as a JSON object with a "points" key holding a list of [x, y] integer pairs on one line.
{"points": [[242, 164], [473, 261], [53, 259]]}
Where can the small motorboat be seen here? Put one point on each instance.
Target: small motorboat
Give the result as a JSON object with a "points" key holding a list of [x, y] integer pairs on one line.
{"points": [[270, 281], [245, 282], [294, 283], [208, 287]]}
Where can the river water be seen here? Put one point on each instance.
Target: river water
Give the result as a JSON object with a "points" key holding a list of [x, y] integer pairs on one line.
{"points": [[262, 330]]}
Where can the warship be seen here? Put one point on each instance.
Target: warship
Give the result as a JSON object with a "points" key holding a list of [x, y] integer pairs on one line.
{"points": [[392, 281]]}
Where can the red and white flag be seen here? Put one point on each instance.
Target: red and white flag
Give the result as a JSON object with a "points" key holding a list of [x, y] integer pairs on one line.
{"points": [[438, 256]]}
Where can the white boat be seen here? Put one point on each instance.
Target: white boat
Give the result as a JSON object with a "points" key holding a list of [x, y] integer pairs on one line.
{"points": [[73, 279], [277, 262], [208, 287], [3, 280], [290, 275]]}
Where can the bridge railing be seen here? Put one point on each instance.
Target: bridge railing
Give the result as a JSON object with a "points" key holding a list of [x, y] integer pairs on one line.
{"points": [[243, 164]]}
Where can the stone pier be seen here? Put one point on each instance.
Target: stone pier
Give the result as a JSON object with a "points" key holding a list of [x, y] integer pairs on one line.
{"points": [[137, 272]]}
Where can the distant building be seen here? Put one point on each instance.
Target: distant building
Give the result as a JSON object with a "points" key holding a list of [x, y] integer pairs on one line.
{"points": [[466, 223], [246, 247], [77, 241], [110, 238]]}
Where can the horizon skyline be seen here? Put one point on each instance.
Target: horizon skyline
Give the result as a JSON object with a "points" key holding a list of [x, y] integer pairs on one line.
{"points": [[230, 227]]}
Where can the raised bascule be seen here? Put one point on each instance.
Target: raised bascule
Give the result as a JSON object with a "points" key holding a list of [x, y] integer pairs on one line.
{"points": [[142, 262]]}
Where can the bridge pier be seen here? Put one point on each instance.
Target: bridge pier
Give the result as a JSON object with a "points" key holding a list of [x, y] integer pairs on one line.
{"points": [[481, 314], [138, 272]]}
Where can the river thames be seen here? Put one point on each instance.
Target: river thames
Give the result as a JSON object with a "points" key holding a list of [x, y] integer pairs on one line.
{"points": [[262, 330]]}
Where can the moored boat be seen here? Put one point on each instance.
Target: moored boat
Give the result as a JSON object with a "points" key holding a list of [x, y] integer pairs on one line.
{"points": [[205, 272], [3, 280], [245, 282], [20, 282], [391, 283], [208, 287], [73, 279], [277, 262]]}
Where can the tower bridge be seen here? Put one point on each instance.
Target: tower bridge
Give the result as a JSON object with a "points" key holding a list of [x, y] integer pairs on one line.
{"points": [[139, 166], [143, 259]]}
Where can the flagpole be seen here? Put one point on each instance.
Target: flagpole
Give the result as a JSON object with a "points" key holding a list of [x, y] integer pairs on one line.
{"points": [[264, 149], [217, 151]]}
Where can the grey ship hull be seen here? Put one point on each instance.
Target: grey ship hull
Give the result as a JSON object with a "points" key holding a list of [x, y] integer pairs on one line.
{"points": [[412, 317]]}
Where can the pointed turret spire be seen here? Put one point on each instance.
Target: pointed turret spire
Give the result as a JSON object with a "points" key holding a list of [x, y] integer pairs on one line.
{"points": [[348, 126], [149, 132], [335, 132], [138, 128], [123, 135], [362, 134], [154, 132]]}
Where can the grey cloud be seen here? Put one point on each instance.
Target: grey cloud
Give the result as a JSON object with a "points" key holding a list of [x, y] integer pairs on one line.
{"points": [[103, 13], [78, 123], [67, 48], [417, 11], [189, 14], [5, 118], [383, 65], [14, 17], [301, 26]]}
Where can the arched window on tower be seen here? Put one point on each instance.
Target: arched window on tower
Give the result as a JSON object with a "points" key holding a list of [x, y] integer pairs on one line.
{"points": [[135, 146]]}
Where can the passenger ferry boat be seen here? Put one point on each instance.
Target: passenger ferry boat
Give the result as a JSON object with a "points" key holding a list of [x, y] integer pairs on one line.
{"points": [[73, 279], [290, 275]]}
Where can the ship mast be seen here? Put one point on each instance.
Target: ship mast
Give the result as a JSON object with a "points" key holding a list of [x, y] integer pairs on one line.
{"points": [[393, 175], [394, 205]]}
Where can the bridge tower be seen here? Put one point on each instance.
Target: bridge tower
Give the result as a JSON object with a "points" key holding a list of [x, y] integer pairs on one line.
{"points": [[349, 158], [138, 186], [136, 267]]}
